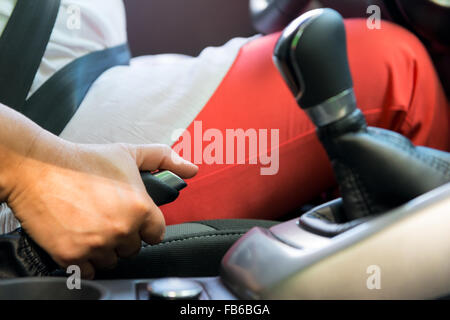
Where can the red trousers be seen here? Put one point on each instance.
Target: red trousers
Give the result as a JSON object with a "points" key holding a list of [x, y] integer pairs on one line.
{"points": [[396, 88]]}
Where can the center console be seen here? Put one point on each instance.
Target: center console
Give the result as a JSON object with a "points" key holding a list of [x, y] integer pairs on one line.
{"points": [[409, 247]]}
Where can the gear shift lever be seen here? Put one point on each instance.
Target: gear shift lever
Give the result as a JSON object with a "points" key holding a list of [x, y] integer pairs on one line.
{"points": [[376, 169], [311, 54]]}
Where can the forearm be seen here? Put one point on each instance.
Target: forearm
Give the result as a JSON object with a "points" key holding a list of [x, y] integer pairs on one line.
{"points": [[18, 135]]}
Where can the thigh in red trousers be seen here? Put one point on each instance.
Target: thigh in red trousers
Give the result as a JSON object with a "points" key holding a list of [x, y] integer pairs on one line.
{"points": [[396, 87]]}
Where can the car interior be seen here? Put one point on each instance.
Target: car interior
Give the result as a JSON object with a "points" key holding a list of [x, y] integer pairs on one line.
{"points": [[394, 201]]}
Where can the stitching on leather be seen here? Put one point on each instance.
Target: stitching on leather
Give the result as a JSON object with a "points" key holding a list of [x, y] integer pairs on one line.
{"points": [[36, 266], [196, 237], [368, 204], [358, 196], [363, 201], [435, 163], [204, 223]]}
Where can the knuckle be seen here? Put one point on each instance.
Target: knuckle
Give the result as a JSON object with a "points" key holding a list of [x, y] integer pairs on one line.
{"points": [[67, 257], [160, 233], [154, 231], [166, 150], [125, 147], [142, 205], [97, 242], [121, 229]]}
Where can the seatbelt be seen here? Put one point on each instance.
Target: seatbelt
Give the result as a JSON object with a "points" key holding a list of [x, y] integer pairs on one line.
{"points": [[56, 101], [22, 47]]}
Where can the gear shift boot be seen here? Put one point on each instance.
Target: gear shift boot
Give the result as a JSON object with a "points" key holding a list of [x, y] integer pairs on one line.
{"points": [[378, 170]]}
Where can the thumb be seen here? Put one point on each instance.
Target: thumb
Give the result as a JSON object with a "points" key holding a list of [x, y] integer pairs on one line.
{"points": [[158, 156]]}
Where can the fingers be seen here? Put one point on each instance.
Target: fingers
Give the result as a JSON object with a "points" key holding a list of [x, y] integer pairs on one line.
{"points": [[104, 259], [129, 247], [154, 226], [158, 156], [87, 270]]}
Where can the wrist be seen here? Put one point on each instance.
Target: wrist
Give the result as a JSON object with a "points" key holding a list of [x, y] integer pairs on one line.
{"points": [[21, 143]]}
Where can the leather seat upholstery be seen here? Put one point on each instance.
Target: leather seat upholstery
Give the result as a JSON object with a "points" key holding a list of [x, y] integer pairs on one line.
{"points": [[188, 250]]}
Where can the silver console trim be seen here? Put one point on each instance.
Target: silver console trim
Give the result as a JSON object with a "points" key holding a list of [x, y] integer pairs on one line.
{"points": [[259, 266]]}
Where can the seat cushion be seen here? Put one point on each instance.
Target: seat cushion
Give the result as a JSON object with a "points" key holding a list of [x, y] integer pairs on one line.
{"points": [[188, 250]]}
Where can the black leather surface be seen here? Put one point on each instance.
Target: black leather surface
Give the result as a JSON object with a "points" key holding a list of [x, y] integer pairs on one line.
{"points": [[21, 257]]}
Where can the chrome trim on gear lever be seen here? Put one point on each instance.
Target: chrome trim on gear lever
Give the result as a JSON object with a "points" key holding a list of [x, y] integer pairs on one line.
{"points": [[333, 109]]}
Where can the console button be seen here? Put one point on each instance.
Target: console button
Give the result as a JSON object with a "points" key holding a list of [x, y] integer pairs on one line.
{"points": [[174, 289]]}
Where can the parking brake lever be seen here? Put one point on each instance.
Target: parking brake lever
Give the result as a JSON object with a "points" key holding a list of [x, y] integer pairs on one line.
{"points": [[163, 186], [20, 256], [376, 169]]}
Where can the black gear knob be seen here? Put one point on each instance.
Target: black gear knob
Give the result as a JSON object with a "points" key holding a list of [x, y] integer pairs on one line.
{"points": [[311, 55]]}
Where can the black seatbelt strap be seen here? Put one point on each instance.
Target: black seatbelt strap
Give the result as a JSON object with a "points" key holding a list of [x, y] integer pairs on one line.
{"points": [[56, 101], [22, 47]]}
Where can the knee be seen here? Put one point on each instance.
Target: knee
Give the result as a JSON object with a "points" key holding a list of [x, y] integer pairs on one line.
{"points": [[391, 51], [389, 42], [394, 75], [384, 63]]}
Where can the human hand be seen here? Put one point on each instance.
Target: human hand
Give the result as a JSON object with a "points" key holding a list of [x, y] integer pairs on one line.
{"points": [[86, 205]]}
